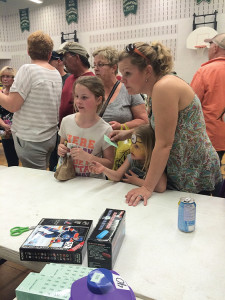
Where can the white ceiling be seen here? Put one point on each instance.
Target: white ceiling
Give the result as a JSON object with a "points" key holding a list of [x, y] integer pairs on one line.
{"points": [[20, 4], [10, 6]]}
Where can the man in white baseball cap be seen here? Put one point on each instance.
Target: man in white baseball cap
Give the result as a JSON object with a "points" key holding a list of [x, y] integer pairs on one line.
{"points": [[219, 40], [208, 84]]}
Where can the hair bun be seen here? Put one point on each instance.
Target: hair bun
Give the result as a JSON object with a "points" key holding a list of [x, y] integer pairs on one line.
{"points": [[155, 48]]}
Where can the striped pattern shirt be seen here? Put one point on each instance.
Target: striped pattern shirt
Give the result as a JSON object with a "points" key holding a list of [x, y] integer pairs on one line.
{"points": [[37, 119]]}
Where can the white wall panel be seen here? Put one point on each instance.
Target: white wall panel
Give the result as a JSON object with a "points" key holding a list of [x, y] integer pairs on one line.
{"points": [[102, 22]]}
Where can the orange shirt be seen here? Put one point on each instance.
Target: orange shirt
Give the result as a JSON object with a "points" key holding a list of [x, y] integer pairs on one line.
{"points": [[209, 84]]}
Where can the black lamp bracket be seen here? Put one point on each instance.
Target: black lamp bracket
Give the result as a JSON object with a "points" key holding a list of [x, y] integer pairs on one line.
{"points": [[67, 37], [214, 22]]}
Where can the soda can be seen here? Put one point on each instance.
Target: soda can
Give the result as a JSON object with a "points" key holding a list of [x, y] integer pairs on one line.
{"points": [[186, 214]]}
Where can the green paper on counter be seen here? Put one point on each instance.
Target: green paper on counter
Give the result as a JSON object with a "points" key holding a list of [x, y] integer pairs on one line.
{"points": [[107, 139], [52, 283]]}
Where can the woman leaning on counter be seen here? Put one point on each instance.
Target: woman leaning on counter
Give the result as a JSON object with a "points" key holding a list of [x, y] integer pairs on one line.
{"points": [[182, 146]]}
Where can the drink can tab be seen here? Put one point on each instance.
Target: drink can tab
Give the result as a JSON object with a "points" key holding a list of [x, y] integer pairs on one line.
{"points": [[186, 200]]}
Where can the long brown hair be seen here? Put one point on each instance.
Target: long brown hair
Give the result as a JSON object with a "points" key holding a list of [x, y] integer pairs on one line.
{"points": [[147, 136]]}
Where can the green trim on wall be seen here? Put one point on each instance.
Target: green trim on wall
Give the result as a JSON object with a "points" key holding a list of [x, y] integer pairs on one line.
{"points": [[24, 19], [130, 7], [199, 1], [71, 11]]}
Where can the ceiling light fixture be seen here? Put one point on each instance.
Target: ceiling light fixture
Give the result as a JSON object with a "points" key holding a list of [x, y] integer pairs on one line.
{"points": [[37, 1]]}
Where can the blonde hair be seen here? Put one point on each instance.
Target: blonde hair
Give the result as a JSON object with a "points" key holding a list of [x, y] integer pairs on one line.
{"points": [[147, 136], [94, 85], [40, 45], [110, 54], [157, 55], [10, 71]]}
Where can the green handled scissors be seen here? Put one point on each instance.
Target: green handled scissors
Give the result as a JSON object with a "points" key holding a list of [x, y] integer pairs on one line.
{"points": [[15, 231]]}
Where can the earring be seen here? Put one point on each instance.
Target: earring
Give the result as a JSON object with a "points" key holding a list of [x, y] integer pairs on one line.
{"points": [[146, 80]]}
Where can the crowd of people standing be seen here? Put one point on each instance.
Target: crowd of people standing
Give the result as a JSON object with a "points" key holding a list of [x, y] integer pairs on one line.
{"points": [[176, 148]]}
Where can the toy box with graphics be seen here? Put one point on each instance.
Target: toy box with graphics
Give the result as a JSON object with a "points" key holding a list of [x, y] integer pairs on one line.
{"points": [[57, 240], [106, 239]]}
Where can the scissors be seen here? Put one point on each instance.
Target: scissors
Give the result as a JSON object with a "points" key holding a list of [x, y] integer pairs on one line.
{"points": [[15, 231]]}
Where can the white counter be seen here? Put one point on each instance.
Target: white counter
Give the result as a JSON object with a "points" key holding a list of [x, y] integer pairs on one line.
{"points": [[156, 259]]}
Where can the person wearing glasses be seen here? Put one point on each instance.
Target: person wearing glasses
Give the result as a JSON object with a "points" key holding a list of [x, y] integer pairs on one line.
{"points": [[56, 61], [34, 98], [182, 146], [7, 75], [75, 59], [208, 84], [122, 110]]}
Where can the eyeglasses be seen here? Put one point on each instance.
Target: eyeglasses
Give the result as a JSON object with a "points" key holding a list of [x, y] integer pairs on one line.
{"points": [[7, 76], [100, 65], [132, 48]]}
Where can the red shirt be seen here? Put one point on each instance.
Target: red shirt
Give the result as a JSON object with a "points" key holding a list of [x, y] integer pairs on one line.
{"points": [[209, 84], [66, 106]]}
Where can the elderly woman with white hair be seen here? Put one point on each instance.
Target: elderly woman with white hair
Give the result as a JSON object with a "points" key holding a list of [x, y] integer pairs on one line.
{"points": [[121, 108]]}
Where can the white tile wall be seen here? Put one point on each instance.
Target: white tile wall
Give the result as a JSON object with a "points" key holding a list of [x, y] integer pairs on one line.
{"points": [[102, 22]]}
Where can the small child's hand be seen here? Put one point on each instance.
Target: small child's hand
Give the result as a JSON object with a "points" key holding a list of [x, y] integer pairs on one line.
{"points": [[131, 178], [62, 150], [96, 168], [79, 153], [120, 135]]}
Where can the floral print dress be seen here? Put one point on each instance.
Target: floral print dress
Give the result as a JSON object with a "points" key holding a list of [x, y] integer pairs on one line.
{"points": [[193, 165]]}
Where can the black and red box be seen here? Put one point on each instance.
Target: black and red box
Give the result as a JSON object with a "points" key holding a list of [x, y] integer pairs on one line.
{"points": [[105, 241], [57, 240]]}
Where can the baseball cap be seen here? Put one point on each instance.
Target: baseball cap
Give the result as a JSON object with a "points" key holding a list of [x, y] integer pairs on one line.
{"points": [[75, 48], [219, 40], [56, 56]]}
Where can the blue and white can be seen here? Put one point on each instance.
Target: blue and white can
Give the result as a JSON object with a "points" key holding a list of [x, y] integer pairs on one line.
{"points": [[186, 214]]}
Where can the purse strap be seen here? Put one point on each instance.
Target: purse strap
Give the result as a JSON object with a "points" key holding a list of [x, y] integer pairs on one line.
{"points": [[108, 99]]}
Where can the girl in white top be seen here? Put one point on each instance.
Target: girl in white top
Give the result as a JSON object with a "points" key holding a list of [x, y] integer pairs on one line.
{"points": [[84, 131]]}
